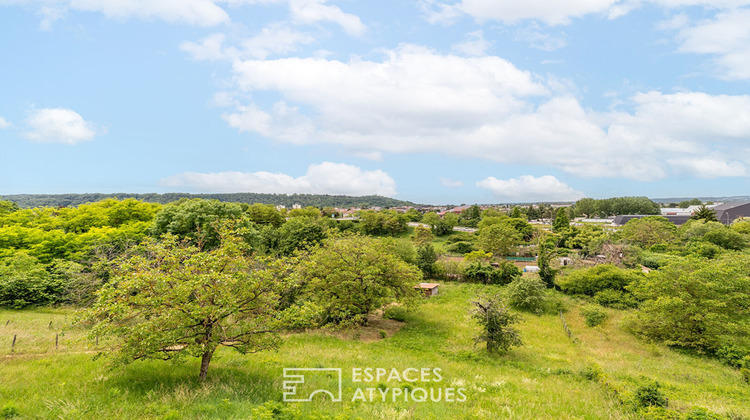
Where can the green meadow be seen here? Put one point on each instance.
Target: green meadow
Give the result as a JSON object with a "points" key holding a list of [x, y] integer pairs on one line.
{"points": [[591, 376]]}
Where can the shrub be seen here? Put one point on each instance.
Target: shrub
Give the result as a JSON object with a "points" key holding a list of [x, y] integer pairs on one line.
{"points": [[527, 293], [733, 355], [497, 324], [9, 411], [615, 299], [649, 395], [592, 280], [461, 247], [593, 314], [383, 334], [426, 258], [396, 313], [24, 281]]}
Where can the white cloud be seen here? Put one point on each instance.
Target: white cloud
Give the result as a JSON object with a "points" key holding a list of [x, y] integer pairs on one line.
{"points": [[4, 123], [191, 12], [528, 188], [275, 39], [725, 37], [313, 11], [534, 36], [323, 178], [447, 182], [59, 125], [210, 48], [551, 12], [554, 12], [417, 101], [474, 45]]}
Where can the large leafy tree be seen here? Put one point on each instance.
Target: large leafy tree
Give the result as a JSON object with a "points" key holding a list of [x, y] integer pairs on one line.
{"points": [[171, 300], [496, 322], [649, 231], [350, 276], [195, 219], [500, 239], [696, 303]]}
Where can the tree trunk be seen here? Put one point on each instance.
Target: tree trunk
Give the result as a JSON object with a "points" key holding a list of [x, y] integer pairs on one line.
{"points": [[205, 360]]}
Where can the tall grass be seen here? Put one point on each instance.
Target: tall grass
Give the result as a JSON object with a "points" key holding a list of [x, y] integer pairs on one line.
{"points": [[545, 378]]}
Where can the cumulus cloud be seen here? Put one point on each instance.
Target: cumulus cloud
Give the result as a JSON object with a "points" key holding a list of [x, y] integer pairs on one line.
{"points": [[314, 11], [417, 101], [4, 123], [726, 37], [59, 125], [528, 188], [323, 178]]}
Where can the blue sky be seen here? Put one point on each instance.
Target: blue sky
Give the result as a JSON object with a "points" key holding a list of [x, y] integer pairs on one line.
{"points": [[433, 101]]}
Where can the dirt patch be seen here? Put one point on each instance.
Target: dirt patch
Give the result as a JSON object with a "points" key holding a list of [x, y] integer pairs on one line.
{"points": [[371, 331]]}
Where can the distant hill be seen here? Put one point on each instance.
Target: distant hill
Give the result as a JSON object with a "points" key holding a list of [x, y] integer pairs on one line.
{"points": [[68, 200], [703, 199]]}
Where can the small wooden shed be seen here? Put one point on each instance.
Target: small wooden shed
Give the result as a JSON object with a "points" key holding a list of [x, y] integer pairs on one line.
{"points": [[429, 289]]}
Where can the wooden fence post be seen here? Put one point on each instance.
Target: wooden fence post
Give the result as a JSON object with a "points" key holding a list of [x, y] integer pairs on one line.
{"points": [[13, 346]]}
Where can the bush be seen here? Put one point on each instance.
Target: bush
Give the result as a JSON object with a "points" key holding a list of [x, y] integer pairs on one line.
{"points": [[487, 274], [527, 293], [649, 395], [396, 313], [461, 247], [615, 299], [24, 281], [497, 324], [733, 355], [593, 314], [593, 280]]}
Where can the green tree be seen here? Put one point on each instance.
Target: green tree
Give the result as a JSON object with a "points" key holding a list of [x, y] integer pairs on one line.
{"points": [[704, 213], [426, 259], [430, 219], [195, 219], [299, 233], [7, 207], [497, 323], [500, 239], [527, 293], [264, 214], [24, 281], [422, 236], [516, 213], [546, 251], [649, 231], [586, 207], [696, 303], [350, 276], [171, 300], [562, 222]]}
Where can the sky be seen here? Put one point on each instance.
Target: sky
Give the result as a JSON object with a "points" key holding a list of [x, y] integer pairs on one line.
{"points": [[432, 101]]}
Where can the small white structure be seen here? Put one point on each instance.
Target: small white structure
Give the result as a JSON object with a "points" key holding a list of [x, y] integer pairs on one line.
{"points": [[531, 269]]}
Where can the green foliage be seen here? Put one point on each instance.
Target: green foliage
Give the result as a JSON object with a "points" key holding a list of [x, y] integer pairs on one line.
{"points": [[9, 411], [649, 395], [24, 281], [529, 293], [196, 220], [171, 300], [615, 299], [687, 203], [383, 222], [299, 233], [422, 236], [592, 280], [264, 214], [704, 213], [7, 207], [695, 303], [593, 315], [741, 225], [497, 323], [614, 206], [477, 272], [649, 231], [426, 258], [350, 276], [562, 222], [396, 313], [461, 247], [500, 239], [546, 250]]}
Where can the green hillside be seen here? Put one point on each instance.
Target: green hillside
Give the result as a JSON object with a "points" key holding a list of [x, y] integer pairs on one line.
{"points": [[550, 376]]}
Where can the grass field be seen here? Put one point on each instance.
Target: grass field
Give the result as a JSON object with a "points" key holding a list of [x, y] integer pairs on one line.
{"points": [[550, 376]]}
